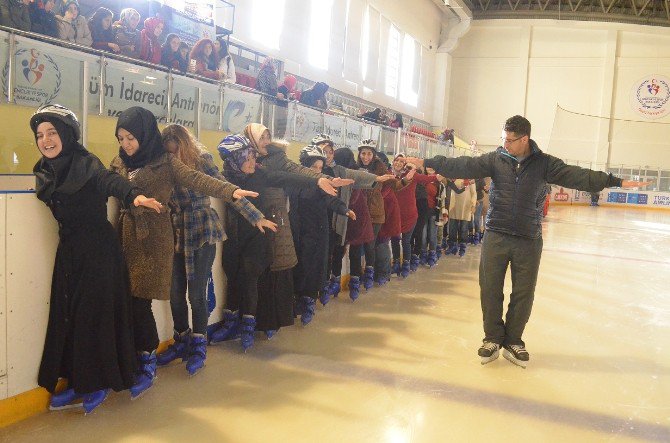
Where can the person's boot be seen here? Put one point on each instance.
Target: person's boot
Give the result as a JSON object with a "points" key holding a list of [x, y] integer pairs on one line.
{"points": [[335, 287], [423, 258], [414, 263], [368, 277], [471, 239], [178, 349], [197, 354], [489, 351], [94, 399], [354, 286], [145, 376], [516, 354], [271, 333], [453, 248], [432, 258], [247, 329], [406, 269], [461, 249], [67, 399], [229, 330], [308, 309], [382, 279], [444, 243], [395, 268], [438, 252], [476, 238]]}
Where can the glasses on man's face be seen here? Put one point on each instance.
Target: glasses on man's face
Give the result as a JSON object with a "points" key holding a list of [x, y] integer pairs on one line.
{"points": [[507, 141]]}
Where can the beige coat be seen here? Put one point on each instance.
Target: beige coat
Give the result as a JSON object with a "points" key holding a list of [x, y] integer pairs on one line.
{"points": [[146, 236], [462, 206], [75, 31]]}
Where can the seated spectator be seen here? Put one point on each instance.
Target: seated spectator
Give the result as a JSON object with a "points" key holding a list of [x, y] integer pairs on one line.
{"points": [[384, 118], [73, 27], [170, 56], [100, 25], [371, 116], [15, 14], [397, 121], [267, 78], [150, 47], [287, 89], [126, 34], [226, 65], [203, 60], [43, 18], [184, 51], [315, 96]]}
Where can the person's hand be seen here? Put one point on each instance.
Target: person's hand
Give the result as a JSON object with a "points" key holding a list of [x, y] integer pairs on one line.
{"points": [[351, 214], [68, 15], [280, 95], [338, 182], [239, 193], [634, 184], [265, 223], [114, 47], [410, 174], [430, 171], [384, 178], [326, 186], [439, 177], [150, 203], [418, 162]]}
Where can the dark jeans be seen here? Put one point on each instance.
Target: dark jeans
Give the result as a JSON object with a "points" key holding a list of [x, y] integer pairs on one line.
{"points": [[144, 325], [371, 246], [523, 255], [458, 231], [197, 290], [354, 260], [383, 258], [406, 245], [417, 235]]}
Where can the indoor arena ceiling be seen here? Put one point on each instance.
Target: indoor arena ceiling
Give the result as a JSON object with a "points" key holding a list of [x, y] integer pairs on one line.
{"points": [[640, 12]]}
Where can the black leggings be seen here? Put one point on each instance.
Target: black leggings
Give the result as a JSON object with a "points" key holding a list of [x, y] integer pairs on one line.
{"points": [[354, 260]]}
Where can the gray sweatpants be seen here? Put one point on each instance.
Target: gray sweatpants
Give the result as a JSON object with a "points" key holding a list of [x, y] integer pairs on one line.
{"points": [[523, 254]]}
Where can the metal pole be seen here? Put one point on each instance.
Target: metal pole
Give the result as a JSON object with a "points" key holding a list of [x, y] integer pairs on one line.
{"points": [[198, 100], [262, 110], [272, 117], [84, 105], [221, 98], [169, 92], [10, 66], [101, 81], [295, 110]]}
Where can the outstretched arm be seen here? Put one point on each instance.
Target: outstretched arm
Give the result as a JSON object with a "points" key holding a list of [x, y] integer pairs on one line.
{"points": [[459, 167]]}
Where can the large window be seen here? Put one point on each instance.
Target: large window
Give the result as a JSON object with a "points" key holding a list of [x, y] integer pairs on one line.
{"points": [[267, 20], [409, 60], [365, 43], [319, 33], [392, 62]]}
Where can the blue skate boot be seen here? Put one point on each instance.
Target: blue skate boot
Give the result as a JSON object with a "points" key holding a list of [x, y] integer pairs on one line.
{"points": [[453, 248], [308, 309], [432, 258], [461, 249], [67, 399], [354, 286], [145, 376], [368, 277], [405, 270], [179, 349], [229, 330], [197, 354], [247, 328], [94, 399], [395, 268], [414, 263]]}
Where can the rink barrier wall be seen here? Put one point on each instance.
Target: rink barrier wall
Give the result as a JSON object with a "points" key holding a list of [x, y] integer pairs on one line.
{"points": [[614, 198]]}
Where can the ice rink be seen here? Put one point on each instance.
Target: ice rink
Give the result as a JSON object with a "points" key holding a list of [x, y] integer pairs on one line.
{"points": [[400, 364]]}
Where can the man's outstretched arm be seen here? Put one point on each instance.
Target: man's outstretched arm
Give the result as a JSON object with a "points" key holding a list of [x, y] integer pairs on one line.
{"points": [[459, 167], [583, 179]]}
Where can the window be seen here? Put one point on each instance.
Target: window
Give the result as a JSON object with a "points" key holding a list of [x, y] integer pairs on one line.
{"points": [[267, 19], [365, 43], [319, 33], [392, 62], [409, 60]]}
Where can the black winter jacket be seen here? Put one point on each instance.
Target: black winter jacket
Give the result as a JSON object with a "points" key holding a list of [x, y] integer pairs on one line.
{"points": [[518, 189]]}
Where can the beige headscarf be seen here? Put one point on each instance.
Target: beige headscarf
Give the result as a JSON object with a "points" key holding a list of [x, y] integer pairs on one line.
{"points": [[254, 132]]}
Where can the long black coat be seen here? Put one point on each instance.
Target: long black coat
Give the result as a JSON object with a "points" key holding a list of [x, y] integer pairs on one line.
{"points": [[310, 227], [89, 337]]}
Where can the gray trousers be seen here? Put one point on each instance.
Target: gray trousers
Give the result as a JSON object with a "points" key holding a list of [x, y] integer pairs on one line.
{"points": [[523, 255]]}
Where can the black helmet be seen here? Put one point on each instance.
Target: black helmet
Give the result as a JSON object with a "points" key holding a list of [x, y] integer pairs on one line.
{"points": [[56, 111], [310, 154]]}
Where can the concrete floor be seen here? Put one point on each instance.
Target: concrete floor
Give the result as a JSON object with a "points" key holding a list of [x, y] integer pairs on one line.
{"points": [[401, 365]]}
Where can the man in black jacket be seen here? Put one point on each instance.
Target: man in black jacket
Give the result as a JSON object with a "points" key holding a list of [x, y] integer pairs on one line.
{"points": [[519, 174]]}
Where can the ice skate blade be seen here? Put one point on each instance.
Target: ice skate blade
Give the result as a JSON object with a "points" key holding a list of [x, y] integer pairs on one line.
{"points": [[510, 357], [69, 406], [494, 356]]}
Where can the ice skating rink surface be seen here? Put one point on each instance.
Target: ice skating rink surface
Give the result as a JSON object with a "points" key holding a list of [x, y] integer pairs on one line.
{"points": [[400, 364]]}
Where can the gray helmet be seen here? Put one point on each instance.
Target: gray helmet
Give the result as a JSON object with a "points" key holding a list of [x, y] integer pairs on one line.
{"points": [[56, 111], [309, 154], [322, 138]]}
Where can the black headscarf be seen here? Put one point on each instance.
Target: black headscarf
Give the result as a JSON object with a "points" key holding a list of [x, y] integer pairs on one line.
{"points": [[345, 158], [68, 172], [142, 124]]}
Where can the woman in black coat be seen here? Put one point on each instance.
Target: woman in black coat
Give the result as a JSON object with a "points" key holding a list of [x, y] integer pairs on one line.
{"points": [[89, 335], [247, 254], [310, 227]]}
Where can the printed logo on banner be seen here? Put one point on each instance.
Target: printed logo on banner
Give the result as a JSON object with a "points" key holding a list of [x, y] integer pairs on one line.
{"points": [[650, 97], [661, 200], [637, 199], [561, 196], [38, 81], [616, 197]]}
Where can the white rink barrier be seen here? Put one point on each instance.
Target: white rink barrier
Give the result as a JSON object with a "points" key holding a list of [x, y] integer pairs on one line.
{"points": [[28, 241], [613, 197]]}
